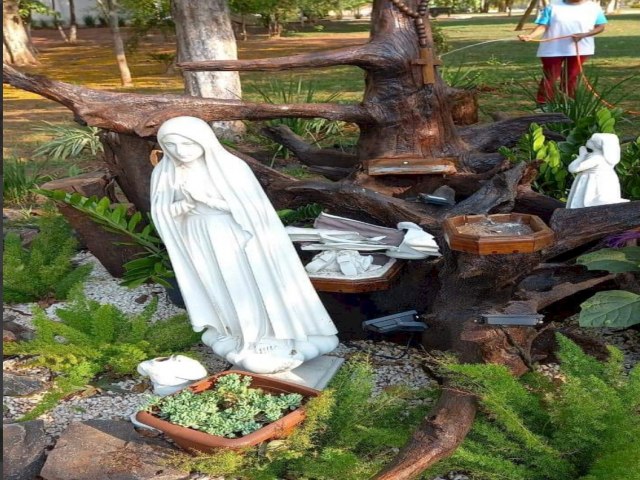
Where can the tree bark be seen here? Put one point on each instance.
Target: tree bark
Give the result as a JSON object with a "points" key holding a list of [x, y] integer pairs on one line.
{"points": [[118, 45], [525, 15], [73, 23], [16, 45], [210, 39]]}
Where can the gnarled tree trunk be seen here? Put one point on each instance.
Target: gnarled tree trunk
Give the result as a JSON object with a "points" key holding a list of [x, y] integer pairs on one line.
{"points": [[16, 44]]}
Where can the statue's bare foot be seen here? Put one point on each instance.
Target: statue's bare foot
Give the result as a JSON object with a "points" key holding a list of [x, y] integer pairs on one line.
{"points": [[221, 345]]}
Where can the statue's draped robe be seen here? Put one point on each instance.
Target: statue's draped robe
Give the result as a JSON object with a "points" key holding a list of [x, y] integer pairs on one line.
{"points": [[238, 272]]}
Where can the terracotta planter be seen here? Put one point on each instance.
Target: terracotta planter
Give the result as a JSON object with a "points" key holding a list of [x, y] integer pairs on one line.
{"points": [[191, 439], [460, 234]]}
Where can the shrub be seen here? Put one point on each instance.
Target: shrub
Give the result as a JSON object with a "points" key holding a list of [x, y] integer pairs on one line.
{"points": [[628, 171], [89, 21], [298, 91], [45, 270], [93, 339], [19, 178], [585, 426], [68, 142]]}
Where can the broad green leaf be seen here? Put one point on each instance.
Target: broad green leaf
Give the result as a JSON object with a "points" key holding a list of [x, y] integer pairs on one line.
{"points": [[75, 198], [615, 260], [614, 308], [133, 221], [102, 205]]}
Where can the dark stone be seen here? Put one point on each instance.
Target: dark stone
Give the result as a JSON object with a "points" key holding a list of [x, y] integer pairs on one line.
{"points": [[21, 333], [20, 385], [108, 450], [23, 446], [8, 336]]}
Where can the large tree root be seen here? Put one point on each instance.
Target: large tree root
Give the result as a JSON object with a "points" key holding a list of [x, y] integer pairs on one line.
{"points": [[438, 436]]}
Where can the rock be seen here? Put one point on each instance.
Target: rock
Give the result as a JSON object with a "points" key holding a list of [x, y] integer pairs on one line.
{"points": [[23, 447], [8, 336], [108, 450], [19, 331], [20, 385]]}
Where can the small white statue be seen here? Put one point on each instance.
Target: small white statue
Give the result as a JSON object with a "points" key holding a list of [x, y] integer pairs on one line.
{"points": [[170, 374], [239, 274], [596, 181]]}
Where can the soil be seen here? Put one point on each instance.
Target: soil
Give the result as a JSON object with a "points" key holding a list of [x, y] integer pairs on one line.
{"points": [[489, 228]]}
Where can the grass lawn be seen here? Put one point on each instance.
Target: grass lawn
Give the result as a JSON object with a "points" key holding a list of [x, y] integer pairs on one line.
{"points": [[507, 70]]}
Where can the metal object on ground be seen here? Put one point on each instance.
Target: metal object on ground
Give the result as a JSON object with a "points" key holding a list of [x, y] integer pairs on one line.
{"points": [[530, 320], [399, 322]]}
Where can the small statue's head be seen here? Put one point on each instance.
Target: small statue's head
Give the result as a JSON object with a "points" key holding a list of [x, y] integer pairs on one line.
{"points": [[606, 144]]}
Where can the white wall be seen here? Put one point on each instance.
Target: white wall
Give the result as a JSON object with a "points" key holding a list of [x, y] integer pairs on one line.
{"points": [[82, 7]]}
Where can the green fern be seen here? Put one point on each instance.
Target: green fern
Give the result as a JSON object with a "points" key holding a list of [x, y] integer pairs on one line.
{"points": [[94, 339], [532, 429], [45, 270]]}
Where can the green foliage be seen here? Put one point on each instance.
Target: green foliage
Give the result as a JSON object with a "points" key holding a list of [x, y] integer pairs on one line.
{"points": [[584, 106], [347, 434], [230, 409], [26, 8], [533, 146], [89, 21], [154, 266], [147, 15], [45, 270], [613, 308], [93, 339], [316, 130], [18, 178], [615, 260], [300, 214], [534, 429], [68, 142], [628, 171], [463, 78]]}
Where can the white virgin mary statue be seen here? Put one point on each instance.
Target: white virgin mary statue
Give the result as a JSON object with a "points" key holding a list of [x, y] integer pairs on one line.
{"points": [[242, 281]]}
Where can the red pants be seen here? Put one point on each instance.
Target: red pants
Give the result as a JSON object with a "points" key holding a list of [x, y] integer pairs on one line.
{"points": [[553, 68]]}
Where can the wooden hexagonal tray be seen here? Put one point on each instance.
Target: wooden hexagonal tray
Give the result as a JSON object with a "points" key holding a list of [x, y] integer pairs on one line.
{"points": [[497, 234]]}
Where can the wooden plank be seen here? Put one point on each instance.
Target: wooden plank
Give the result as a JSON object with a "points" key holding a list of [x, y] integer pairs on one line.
{"points": [[362, 285], [411, 165]]}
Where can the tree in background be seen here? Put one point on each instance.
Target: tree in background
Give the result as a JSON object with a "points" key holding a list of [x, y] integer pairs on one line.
{"points": [[110, 11], [17, 48], [204, 32]]}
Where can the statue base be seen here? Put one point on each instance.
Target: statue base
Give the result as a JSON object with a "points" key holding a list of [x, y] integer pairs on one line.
{"points": [[316, 373]]}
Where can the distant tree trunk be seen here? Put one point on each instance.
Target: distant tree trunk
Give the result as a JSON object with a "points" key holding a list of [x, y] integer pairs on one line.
{"points": [[73, 24], [118, 44], [204, 32], [525, 15], [16, 45], [56, 22]]}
